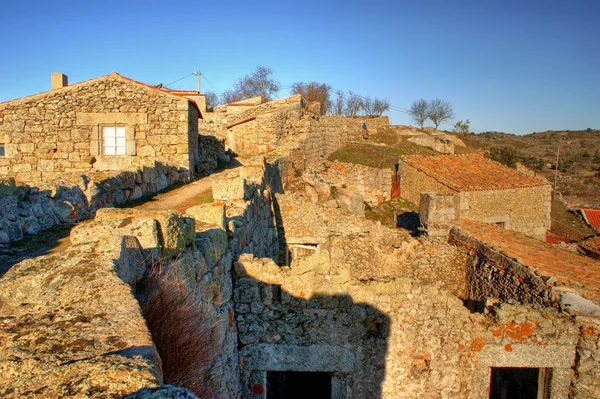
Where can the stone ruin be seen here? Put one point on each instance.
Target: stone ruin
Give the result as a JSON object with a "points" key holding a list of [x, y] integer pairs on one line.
{"points": [[293, 289], [298, 295]]}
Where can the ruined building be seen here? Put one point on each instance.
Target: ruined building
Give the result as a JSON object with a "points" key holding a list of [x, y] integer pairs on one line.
{"points": [[300, 297]]}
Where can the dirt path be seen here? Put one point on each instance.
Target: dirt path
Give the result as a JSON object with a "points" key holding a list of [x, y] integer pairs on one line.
{"points": [[184, 197], [56, 239]]}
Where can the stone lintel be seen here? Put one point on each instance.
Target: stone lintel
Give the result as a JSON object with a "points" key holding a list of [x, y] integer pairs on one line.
{"points": [[273, 357], [523, 355]]}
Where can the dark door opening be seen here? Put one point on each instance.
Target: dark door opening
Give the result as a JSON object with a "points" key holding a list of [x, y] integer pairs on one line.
{"points": [[519, 383], [298, 385]]}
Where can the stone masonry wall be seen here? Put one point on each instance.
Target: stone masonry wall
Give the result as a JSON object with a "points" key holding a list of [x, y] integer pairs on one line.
{"points": [[389, 339], [526, 210], [77, 349], [58, 132], [491, 274], [375, 185], [413, 183], [71, 198]]}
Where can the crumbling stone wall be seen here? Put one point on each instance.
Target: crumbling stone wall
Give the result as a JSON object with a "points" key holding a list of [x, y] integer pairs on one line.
{"points": [[71, 198], [586, 381], [70, 324], [493, 274], [394, 338], [58, 132], [374, 184]]}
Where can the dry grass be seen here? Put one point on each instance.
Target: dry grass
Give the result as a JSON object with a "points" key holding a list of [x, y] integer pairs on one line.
{"points": [[182, 331]]}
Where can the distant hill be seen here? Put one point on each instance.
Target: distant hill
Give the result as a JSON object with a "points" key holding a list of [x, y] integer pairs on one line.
{"points": [[579, 159]]}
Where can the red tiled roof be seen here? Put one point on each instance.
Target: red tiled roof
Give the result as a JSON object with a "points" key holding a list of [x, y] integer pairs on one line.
{"points": [[471, 172], [592, 217], [574, 270], [592, 244]]}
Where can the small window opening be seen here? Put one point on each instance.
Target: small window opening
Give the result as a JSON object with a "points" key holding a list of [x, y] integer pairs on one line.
{"points": [[502, 225], [2, 153], [298, 250], [474, 306], [520, 383], [298, 385], [276, 294], [113, 140]]}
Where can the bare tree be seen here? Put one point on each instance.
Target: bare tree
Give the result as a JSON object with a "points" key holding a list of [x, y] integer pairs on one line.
{"points": [[258, 83], [230, 96], [419, 111], [367, 106], [338, 105], [211, 99], [375, 106], [314, 92], [439, 111], [353, 104]]}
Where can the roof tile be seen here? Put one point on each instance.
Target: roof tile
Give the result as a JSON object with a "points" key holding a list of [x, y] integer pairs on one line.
{"points": [[592, 217], [576, 271], [471, 172]]}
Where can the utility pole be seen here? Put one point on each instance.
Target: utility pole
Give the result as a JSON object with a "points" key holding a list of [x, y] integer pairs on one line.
{"points": [[198, 74], [556, 171]]}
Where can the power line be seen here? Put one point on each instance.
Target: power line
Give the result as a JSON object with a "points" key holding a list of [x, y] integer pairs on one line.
{"points": [[186, 76]]}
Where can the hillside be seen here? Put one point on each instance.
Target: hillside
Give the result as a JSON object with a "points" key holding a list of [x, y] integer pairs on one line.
{"points": [[579, 159]]}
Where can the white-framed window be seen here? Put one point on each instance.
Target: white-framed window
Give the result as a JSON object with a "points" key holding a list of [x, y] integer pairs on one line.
{"points": [[113, 140]]}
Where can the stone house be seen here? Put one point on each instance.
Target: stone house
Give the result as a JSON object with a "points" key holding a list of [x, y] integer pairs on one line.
{"points": [[102, 124], [482, 190]]}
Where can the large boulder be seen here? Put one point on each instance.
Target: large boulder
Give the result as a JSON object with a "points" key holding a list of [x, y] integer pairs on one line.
{"points": [[176, 231]]}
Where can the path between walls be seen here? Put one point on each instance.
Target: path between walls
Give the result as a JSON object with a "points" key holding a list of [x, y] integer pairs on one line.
{"points": [[184, 197], [57, 239]]}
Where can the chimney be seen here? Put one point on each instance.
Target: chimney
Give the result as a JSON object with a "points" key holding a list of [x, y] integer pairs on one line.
{"points": [[59, 80]]}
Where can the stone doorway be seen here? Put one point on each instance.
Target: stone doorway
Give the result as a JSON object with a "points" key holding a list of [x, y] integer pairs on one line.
{"points": [[298, 385], [520, 383]]}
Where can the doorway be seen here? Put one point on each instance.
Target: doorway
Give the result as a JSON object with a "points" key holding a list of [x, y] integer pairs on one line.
{"points": [[298, 385]]}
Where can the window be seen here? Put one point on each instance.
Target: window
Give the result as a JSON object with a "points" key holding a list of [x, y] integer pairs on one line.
{"points": [[2, 153], [113, 140]]}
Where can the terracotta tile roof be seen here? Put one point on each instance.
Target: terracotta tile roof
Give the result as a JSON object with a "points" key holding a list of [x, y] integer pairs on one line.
{"points": [[592, 243], [592, 217], [571, 269], [471, 172]]}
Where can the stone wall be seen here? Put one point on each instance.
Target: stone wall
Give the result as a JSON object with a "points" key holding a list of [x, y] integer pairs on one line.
{"points": [[77, 321], [287, 127], [59, 132], [493, 274], [526, 210], [360, 308], [437, 213], [73, 197], [375, 185], [413, 183]]}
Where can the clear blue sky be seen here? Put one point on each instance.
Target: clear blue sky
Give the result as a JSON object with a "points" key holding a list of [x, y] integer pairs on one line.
{"points": [[514, 66]]}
